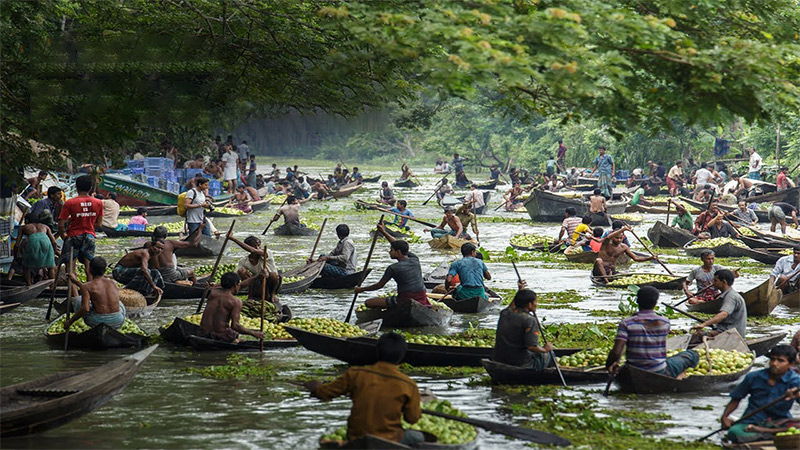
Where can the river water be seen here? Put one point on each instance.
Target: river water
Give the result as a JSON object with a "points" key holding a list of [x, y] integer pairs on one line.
{"points": [[165, 406]]}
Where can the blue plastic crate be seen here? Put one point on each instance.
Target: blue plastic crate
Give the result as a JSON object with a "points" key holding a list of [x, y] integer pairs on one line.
{"points": [[152, 181], [134, 163], [214, 192], [137, 170], [214, 184], [191, 173], [136, 227]]}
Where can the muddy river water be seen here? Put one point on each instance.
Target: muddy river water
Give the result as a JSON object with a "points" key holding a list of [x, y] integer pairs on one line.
{"points": [[167, 407]]}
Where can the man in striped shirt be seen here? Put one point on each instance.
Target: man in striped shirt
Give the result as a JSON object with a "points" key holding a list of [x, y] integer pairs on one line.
{"points": [[571, 221], [643, 336]]}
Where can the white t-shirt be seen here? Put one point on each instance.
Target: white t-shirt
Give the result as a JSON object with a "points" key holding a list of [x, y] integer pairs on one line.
{"points": [[255, 269], [477, 196], [755, 162], [730, 186], [195, 215], [703, 176], [231, 160]]}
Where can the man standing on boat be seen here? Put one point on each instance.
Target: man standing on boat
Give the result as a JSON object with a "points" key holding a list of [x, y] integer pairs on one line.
{"points": [[164, 262], [732, 312], [468, 219], [517, 336], [99, 302], [406, 272], [381, 395], [610, 251], [643, 337], [342, 260], [195, 202], [675, 178], [755, 165], [605, 167], [230, 167], [561, 157], [471, 272], [475, 199], [778, 213], [786, 274], [50, 203], [84, 213], [765, 386], [221, 317]]}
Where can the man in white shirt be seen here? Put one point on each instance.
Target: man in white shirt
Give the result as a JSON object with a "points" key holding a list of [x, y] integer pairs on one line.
{"points": [[475, 198], [230, 160], [244, 151], [702, 177], [755, 165], [785, 274]]}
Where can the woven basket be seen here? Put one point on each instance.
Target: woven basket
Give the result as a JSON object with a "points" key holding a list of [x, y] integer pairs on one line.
{"points": [[132, 299]]}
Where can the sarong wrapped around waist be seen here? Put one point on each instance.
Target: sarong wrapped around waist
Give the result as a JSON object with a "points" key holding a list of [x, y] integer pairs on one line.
{"points": [[419, 296], [465, 292], [38, 252]]}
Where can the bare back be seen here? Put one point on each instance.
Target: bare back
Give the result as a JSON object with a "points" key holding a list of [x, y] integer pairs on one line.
{"points": [[597, 203], [134, 258], [104, 295], [33, 228], [221, 313]]}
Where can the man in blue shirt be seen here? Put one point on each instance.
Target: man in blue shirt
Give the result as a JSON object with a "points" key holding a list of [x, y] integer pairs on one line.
{"points": [[605, 167], [471, 271], [763, 386], [401, 209], [458, 162]]}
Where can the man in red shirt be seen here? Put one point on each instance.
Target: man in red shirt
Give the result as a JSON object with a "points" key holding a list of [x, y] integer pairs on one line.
{"points": [[783, 182], [77, 221]]}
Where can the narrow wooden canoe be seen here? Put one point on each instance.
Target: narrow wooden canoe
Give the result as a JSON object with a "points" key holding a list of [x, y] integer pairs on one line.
{"points": [[760, 301], [178, 331], [792, 300], [467, 306], [217, 213], [765, 343], [407, 183], [448, 242], [722, 251], [674, 284], [663, 235], [345, 282], [590, 257], [208, 246], [293, 230], [309, 273], [543, 206], [762, 255], [638, 381], [177, 291], [346, 190], [112, 233], [101, 337], [487, 185], [205, 344], [53, 400], [513, 375], [436, 276], [21, 294], [535, 247], [153, 211], [8, 307], [790, 196], [373, 442], [371, 179], [408, 315]]}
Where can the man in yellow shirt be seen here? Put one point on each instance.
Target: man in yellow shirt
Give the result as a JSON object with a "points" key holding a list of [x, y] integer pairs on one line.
{"points": [[381, 395]]}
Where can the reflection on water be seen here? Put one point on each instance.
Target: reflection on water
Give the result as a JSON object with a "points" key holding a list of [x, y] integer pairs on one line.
{"points": [[166, 407]]}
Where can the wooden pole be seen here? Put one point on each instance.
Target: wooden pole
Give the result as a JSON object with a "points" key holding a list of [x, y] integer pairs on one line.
{"points": [[778, 144], [53, 293], [319, 235], [366, 266], [214, 270], [669, 205], [273, 218], [427, 224], [263, 294], [70, 271], [651, 252], [434, 192]]}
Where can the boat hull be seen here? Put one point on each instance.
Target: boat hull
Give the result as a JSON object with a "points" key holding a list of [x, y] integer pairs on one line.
{"points": [[345, 282], [512, 375], [663, 235], [544, 206], [407, 315]]}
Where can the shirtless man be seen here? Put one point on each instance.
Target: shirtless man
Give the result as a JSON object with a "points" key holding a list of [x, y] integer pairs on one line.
{"points": [[99, 301], [450, 219], [134, 272], [164, 262], [597, 203], [406, 172], [221, 316], [610, 250], [290, 212], [320, 190], [39, 250], [34, 190], [198, 162], [745, 188], [511, 196]]}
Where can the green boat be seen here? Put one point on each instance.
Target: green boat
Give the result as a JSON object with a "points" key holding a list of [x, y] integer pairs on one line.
{"points": [[134, 193]]}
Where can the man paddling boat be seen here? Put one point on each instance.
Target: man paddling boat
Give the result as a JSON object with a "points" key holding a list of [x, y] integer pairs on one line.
{"points": [[471, 272], [290, 212], [610, 251], [786, 274], [468, 219], [704, 275], [342, 260], [517, 337], [99, 302], [402, 210], [386, 195], [643, 337], [381, 395], [134, 272], [406, 272], [250, 268], [765, 386], [732, 313], [221, 317], [164, 262], [451, 220], [683, 218]]}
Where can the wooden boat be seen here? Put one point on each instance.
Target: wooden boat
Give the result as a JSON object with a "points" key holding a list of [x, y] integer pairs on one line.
{"points": [[448, 242], [112, 233], [469, 305], [673, 284], [371, 179], [663, 235], [20, 294], [208, 246], [513, 375], [543, 206], [178, 331], [722, 251], [345, 282], [765, 343], [638, 381], [408, 315], [544, 246], [407, 183], [309, 273], [392, 233], [765, 242], [217, 213], [153, 211], [54, 400], [590, 257], [760, 301], [763, 215], [489, 185], [205, 344], [360, 204], [293, 230], [346, 190], [436, 276], [133, 193], [8, 307], [101, 337], [374, 442], [177, 291], [762, 255], [792, 299]]}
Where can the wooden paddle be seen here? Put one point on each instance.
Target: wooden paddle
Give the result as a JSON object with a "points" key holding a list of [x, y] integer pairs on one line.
{"points": [[669, 205], [319, 235], [366, 266], [263, 295], [427, 224], [541, 330], [53, 293], [70, 271], [441, 184], [526, 434], [273, 218], [651, 252], [747, 416], [214, 270]]}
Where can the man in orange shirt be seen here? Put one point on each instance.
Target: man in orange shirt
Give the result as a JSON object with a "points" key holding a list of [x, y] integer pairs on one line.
{"points": [[381, 395]]}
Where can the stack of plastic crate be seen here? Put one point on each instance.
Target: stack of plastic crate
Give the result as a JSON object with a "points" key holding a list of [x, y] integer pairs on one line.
{"points": [[214, 188]]}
